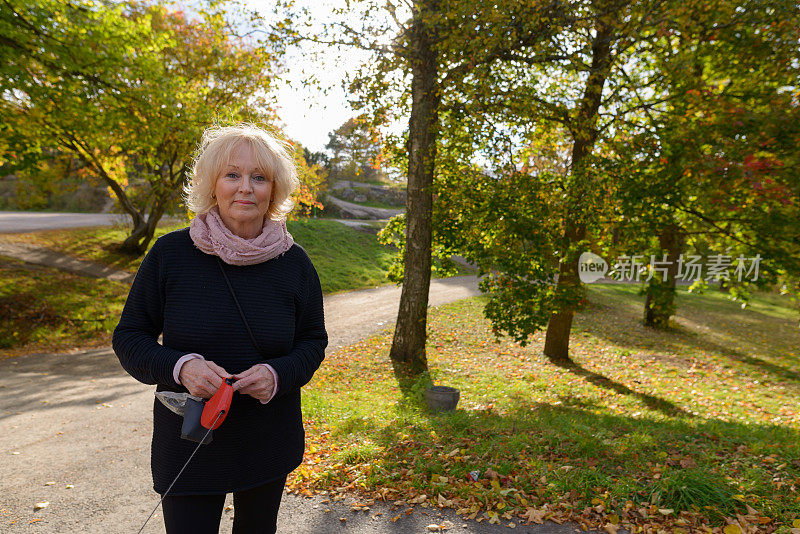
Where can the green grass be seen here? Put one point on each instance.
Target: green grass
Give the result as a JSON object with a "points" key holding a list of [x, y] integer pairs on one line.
{"points": [[47, 310], [680, 428], [98, 244], [344, 257]]}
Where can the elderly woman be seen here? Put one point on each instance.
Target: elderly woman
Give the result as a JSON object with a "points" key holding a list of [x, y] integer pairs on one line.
{"points": [[234, 297]]}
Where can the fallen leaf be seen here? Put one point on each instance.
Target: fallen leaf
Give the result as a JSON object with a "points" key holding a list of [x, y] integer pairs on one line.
{"points": [[534, 515], [732, 529], [611, 528], [41, 505], [434, 528]]}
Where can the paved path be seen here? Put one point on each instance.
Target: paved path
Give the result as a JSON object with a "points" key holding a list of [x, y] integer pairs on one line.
{"points": [[357, 211], [32, 221]]}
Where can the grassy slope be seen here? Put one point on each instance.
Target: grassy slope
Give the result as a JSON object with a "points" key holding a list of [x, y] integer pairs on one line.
{"points": [[345, 258], [679, 428], [47, 310]]}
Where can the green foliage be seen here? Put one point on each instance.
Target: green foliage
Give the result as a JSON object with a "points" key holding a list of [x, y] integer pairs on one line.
{"points": [[394, 235], [715, 157], [357, 152], [510, 227]]}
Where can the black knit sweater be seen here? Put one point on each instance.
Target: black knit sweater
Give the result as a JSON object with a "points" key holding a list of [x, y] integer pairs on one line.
{"points": [[179, 291]]}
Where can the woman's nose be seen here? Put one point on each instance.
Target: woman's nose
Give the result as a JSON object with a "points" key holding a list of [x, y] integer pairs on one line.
{"points": [[245, 184]]}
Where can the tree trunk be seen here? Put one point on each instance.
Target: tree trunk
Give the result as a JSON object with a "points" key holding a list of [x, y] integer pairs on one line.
{"points": [[142, 233], [659, 304], [133, 243], [556, 341], [584, 134], [408, 346]]}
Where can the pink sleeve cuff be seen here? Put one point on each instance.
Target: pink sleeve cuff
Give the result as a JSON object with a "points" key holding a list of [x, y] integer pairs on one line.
{"points": [[176, 371], [274, 381]]}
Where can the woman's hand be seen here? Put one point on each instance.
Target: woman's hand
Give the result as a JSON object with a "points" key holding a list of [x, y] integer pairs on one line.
{"points": [[257, 382], [202, 378]]}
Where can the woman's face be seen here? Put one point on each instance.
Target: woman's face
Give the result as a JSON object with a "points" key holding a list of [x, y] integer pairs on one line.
{"points": [[243, 193]]}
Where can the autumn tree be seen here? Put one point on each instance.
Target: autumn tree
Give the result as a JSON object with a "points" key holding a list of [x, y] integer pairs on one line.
{"points": [[127, 87], [313, 181], [357, 151], [434, 46], [526, 225], [713, 167]]}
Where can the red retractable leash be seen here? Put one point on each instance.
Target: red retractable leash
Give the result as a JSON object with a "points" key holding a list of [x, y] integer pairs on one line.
{"points": [[214, 413]]}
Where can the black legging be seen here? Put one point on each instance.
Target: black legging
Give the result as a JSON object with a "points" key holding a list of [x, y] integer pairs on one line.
{"points": [[254, 511]]}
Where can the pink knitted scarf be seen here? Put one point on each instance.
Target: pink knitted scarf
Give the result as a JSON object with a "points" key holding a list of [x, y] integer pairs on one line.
{"points": [[211, 236]]}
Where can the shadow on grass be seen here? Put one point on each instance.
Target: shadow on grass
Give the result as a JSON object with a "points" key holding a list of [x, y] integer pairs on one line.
{"points": [[680, 340], [654, 403], [585, 454]]}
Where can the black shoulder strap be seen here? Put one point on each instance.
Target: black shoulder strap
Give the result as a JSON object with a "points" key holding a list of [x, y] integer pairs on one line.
{"points": [[238, 307]]}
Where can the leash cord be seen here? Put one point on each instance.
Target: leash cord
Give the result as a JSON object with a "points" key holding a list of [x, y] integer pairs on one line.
{"points": [[181, 471]]}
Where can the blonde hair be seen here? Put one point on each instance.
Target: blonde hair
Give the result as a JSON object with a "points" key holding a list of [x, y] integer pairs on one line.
{"points": [[273, 157]]}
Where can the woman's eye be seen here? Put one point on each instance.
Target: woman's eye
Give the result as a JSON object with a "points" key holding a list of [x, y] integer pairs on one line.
{"points": [[232, 175], [259, 178]]}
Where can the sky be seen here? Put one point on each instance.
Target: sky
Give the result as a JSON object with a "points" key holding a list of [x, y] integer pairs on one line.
{"points": [[310, 113]]}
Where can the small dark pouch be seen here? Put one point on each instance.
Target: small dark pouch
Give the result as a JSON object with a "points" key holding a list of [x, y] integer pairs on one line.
{"points": [[192, 429]]}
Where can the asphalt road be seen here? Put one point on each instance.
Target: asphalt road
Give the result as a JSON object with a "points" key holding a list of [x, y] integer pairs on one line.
{"points": [[32, 221]]}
